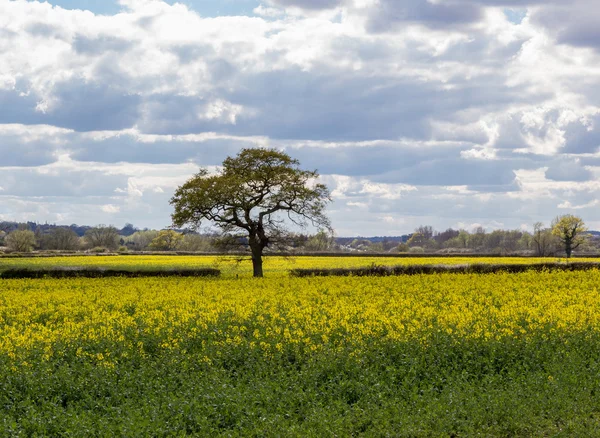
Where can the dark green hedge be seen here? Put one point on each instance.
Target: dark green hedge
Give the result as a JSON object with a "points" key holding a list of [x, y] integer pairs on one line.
{"points": [[101, 273], [476, 268]]}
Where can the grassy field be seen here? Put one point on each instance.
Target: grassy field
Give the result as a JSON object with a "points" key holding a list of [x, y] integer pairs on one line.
{"points": [[437, 355], [232, 266]]}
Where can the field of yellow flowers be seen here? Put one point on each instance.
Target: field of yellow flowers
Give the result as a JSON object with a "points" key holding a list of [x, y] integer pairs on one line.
{"points": [[424, 355]]}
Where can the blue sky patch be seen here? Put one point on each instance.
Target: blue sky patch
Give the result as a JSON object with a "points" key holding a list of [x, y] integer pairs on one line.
{"points": [[206, 8], [515, 15]]}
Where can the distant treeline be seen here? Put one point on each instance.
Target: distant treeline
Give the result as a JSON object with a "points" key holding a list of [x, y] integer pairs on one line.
{"points": [[79, 230], [26, 237]]}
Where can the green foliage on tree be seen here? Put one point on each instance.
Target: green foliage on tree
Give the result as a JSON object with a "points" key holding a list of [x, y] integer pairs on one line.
{"points": [[254, 197], [61, 239], [167, 240], [570, 230]]}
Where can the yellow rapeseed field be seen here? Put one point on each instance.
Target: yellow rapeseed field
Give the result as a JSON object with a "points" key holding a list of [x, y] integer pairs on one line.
{"points": [[108, 320]]}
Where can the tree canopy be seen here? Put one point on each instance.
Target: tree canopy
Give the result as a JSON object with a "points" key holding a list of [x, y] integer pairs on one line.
{"points": [[256, 196], [570, 230]]}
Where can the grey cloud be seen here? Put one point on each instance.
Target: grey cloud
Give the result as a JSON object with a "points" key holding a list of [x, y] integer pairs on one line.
{"points": [[308, 4], [97, 46], [453, 172], [17, 106], [392, 13], [16, 152], [127, 149], [190, 52], [92, 107], [31, 183], [172, 114], [340, 106], [371, 161], [568, 170], [80, 106], [419, 165], [46, 30], [510, 211], [582, 139], [574, 23], [299, 105]]}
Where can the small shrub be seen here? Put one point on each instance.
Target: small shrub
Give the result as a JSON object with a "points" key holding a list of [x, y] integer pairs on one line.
{"points": [[99, 250]]}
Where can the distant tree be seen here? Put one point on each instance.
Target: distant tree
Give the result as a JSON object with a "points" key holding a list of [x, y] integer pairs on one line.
{"points": [[423, 237], [388, 244], [197, 243], [444, 236], [322, 241], [377, 247], [492, 241], [128, 230], [140, 240], [476, 240], [510, 240], [425, 230], [542, 240], [525, 242], [166, 240], [460, 241], [62, 239], [360, 244], [251, 199], [102, 236], [20, 241], [570, 231], [402, 247], [39, 237], [417, 239]]}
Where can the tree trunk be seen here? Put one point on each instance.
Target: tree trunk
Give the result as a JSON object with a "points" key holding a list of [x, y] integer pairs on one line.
{"points": [[568, 249], [257, 263]]}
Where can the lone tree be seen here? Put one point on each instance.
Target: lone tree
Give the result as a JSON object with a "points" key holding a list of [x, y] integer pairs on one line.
{"points": [[570, 231], [251, 198]]}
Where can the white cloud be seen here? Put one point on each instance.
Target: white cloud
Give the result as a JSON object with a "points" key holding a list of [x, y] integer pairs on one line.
{"points": [[110, 208], [567, 205]]}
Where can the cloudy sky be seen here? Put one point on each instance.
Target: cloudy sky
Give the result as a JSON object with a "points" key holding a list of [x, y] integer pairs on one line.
{"points": [[451, 113]]}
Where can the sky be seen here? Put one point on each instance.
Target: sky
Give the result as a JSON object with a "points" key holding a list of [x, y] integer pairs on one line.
{"points": [[450, 113]]}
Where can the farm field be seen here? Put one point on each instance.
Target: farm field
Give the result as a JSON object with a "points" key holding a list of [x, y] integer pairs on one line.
{"points": [[425, 355], [231, 266]]}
